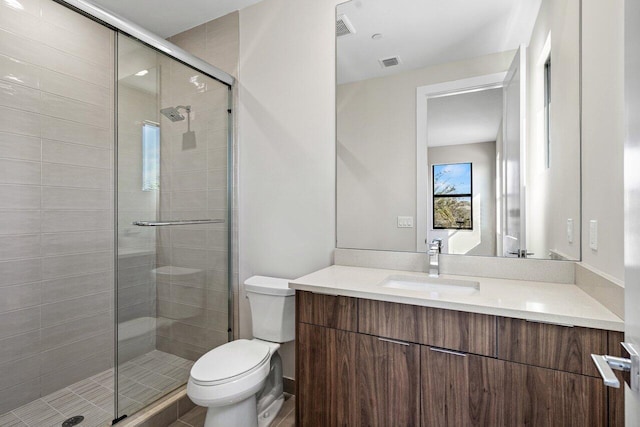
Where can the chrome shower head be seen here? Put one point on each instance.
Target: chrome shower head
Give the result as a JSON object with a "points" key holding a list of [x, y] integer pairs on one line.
{"points": [[172, 114]]}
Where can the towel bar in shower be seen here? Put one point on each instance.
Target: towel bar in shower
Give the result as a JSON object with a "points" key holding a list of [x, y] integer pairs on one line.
{"points": [[177, 222]]}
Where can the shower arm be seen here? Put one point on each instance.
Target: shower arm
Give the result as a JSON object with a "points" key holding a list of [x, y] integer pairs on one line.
{"points": [[186, 108]]}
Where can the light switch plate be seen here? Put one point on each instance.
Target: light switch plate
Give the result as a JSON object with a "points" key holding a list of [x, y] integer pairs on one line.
{"points": [[570, 230], [593, 234], [405, 222]]}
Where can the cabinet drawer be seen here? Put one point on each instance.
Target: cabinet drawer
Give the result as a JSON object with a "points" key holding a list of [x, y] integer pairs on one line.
{"points": [[327, 310], [455, 330], [564, 348]]}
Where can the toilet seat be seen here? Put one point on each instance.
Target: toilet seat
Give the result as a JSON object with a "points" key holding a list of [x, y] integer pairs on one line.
{"points": [[229, 362]]}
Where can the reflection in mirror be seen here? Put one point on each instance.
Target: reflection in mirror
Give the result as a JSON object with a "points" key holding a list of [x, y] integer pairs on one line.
{"points": [[462, 129], [447, 126]]}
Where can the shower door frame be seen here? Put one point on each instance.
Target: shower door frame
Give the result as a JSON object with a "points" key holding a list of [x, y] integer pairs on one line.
{"points": [[121, 25]]}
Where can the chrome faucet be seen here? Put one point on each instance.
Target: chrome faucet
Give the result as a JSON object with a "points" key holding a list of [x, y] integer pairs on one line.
{"points": [[435, 247]]}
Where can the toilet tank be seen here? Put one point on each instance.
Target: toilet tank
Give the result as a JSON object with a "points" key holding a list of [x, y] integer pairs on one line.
{"points": [[272, 308]]}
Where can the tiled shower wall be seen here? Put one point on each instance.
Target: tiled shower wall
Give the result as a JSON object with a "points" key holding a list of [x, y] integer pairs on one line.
{"points": [[217, 42], [192, 272], [136, 245], [56, 220]]}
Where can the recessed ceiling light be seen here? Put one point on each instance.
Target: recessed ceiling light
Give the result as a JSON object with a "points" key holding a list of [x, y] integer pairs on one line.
{"points": [[376, 36], [142, 73]]}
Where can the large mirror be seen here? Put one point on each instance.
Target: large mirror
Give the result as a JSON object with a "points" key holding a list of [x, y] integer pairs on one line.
{"points": [[459, 122]]}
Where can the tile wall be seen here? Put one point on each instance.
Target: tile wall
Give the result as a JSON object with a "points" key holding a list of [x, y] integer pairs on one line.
{"points": [[217, 42], [56, 220], [136, 245], [192, 274]]}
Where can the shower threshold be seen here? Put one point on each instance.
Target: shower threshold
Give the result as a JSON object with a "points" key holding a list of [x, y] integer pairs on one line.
{"points": [[141, 381]]}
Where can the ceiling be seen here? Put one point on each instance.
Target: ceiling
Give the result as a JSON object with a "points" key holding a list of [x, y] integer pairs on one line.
{"points": [[465, 118], [169, 17], [428, 32]]}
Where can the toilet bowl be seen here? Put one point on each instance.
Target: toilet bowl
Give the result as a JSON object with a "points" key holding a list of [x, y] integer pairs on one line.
{"points": [[240, 382]]}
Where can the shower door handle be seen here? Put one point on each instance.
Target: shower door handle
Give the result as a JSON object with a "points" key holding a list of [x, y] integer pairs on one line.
{"points": [[177, 222]]}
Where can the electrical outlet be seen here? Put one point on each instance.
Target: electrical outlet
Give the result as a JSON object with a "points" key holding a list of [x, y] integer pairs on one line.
{"points": [[570, 230], [593, 234], [405, 222]]}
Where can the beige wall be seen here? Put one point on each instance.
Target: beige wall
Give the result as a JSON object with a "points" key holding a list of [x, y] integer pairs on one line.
{"points": [[377, 152], [482, 239], [287, 141], [603, 133]]}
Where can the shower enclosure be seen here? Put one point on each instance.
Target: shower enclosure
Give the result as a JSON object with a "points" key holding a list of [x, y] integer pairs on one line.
{"points": [[115, 160]]}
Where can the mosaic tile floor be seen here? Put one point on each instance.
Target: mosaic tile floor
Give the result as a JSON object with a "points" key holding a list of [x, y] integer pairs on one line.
{"points": [[140, 382]]}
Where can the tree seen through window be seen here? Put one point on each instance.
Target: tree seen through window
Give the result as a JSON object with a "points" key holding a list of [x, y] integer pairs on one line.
{"points": [[452, 194]]}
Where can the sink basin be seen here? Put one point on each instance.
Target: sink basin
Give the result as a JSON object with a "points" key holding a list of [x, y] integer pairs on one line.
{"points": [[433, 285]]}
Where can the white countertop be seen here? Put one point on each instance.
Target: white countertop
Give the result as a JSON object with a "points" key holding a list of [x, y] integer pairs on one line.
{"points": [[537, 301]]}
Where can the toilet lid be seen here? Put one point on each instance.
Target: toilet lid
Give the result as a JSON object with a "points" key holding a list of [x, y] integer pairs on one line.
{"points": [[229, 360]]}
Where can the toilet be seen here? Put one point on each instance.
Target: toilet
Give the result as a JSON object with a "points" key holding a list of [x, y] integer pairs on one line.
{"points": [[240, 382]]}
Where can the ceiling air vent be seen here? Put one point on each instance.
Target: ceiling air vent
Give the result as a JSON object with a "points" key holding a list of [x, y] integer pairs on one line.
{"points": [[344, 26], [389, 62]]}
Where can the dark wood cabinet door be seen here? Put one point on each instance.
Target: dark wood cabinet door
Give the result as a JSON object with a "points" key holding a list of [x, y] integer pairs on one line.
{"points": [[311, 360], [341, 385], [491, 383], [388, 377], [579, 400], [326, 377], [616, 395], [444, 388]]}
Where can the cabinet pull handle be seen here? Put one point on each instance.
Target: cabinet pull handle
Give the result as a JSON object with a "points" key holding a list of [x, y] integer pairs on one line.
{"points": [[566, 325], [394, 341], [441, 350]]}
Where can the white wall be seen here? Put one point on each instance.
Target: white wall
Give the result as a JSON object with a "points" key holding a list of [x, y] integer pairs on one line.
{"points": [[377, 151], [482, 239], [603, 133], [287, 142]]}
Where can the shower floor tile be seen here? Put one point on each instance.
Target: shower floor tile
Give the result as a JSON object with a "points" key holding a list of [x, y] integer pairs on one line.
{"points": [[141, 381]]}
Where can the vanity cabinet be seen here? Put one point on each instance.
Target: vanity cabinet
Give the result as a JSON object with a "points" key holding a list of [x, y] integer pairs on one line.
{"points": [[374, 363]]}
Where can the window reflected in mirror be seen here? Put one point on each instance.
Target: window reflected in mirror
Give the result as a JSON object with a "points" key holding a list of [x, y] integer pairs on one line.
{"points": [[452, 190]]}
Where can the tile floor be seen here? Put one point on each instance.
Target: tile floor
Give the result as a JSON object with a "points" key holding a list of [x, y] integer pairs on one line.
{"points": [[286, 417], [141, 381]]}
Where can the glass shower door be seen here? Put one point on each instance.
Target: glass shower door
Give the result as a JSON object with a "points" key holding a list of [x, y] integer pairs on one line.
{"points": [[172, 226]]}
